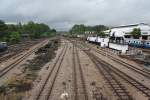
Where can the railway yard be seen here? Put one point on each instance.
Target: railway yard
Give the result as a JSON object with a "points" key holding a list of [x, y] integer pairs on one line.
{"points": [[70, 69]]}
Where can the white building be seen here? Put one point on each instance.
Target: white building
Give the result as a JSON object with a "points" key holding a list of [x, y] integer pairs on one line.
{"points": [[123, 31]]}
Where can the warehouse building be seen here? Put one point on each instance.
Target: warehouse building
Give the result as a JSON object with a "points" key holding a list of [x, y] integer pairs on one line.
{"points": [[124, 31]]}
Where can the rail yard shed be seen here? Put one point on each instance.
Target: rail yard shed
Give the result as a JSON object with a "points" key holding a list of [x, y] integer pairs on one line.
{"points": [[125, 30]]}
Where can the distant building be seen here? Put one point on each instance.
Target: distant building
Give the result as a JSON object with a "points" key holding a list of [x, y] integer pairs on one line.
{"points": [[124, 31], [90, 33]]}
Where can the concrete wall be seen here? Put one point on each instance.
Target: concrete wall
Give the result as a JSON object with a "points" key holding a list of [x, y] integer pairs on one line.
{"points": [[122, 48]]}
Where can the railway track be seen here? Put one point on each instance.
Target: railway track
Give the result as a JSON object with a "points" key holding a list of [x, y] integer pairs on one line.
{"points": [[52, 75], [80, 90], [116, 86], [145, 50], [139, 86], [133, 82], [127, 65], [142, 72], [19, 60], [145, 90], [13, 50]]}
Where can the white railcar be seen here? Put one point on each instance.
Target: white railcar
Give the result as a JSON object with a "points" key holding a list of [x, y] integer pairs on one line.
{"points": [[102, 41], [92, 39]]}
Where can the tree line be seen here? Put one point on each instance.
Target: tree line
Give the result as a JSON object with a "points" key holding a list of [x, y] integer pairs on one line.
{"points": [[13, 33], [81, 29], [136, 32]]}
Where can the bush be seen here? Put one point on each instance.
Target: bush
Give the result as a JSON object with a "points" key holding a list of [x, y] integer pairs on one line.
{"points": [[136, 33], [13, 37]]}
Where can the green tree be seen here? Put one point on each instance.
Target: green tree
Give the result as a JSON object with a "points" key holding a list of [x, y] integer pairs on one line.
{"points": [[12, 28], [101, 34], [29, 28], [53, 31], [20, 28], [12, 33], [3, 28], [80, 29], [136, 33], [99, 28], [36, 30], [13, 37]]}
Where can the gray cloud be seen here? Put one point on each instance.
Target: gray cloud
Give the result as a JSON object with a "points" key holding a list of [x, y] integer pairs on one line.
{"points": [[62, 14]]}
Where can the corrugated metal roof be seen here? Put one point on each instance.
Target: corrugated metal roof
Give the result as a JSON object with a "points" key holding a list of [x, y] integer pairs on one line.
{"points": [[131, 25]]}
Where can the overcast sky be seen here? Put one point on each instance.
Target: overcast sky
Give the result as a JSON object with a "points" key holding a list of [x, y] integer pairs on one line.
{"points": [[63, 14]]}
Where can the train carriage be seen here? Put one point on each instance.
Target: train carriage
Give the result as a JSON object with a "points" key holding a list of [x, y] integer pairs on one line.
{"points": [[138, 43], [135, 42], [92, 39], [147, 44]]}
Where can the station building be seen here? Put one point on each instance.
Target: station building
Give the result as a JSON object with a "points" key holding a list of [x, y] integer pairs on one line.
{"points": [[124, 31]]}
